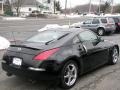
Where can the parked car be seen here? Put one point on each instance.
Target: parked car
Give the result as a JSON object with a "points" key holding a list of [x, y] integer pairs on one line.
{"points": [[117, 23], [100, 25], [62, 54], [34, 13]]}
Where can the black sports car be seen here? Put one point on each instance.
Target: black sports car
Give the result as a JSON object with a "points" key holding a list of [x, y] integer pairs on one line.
{"points": [[62, 53]]}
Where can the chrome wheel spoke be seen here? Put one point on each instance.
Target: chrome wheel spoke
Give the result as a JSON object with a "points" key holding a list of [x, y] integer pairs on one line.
{"points": [[73, 69], [66, 76], [69, 80]]}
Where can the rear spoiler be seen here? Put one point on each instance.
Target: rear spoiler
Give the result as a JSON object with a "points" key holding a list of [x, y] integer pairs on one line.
{"points": [[24, 46]]}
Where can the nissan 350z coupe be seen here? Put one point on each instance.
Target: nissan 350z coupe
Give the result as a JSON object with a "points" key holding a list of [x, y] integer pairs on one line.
{"points": [[61, 53]]}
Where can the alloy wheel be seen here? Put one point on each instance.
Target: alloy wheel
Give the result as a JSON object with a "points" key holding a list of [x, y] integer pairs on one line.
{"points": [[70, 75], [115, 55], [100, 32]]}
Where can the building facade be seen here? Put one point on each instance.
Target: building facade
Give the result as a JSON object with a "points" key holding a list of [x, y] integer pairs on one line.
{"points": [[43, 6], [48, 6]]}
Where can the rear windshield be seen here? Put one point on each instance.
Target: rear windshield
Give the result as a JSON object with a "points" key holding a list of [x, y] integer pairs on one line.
{"points": [[104, 20], [47, 36]]}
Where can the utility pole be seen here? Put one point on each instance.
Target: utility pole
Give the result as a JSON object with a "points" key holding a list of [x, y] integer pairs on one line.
{"points": [[2, 7], [65, 7], [100, 6], [54, 6], [112, 1], [70, 14], [90, 6]]}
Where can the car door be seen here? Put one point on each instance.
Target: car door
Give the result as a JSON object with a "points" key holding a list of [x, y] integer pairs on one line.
{"points": [[95, 24], [87, 24], [95, 55]]}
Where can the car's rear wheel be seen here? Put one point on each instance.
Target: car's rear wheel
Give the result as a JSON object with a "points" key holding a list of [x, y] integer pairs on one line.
{"points": [[69, 75], [114, 56], [101, 32]]}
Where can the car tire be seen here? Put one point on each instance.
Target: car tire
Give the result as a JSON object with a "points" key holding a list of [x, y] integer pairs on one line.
{"points": [[101, 32], [114, 56], [69, 75]]}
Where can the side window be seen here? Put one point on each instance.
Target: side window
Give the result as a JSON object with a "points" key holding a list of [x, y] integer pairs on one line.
{"points": [[103, 20], [76, 40], [95, 21], [87, 22], [88, 36]]}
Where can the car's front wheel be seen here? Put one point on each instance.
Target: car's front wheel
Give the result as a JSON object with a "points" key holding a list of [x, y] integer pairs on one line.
{"points": [[69, 75], [114, 56], [101, 32]]}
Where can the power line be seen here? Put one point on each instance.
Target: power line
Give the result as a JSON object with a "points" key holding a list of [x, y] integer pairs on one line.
{"points": [[100, 6], [65, 7], [90, 6], [112, 1]]}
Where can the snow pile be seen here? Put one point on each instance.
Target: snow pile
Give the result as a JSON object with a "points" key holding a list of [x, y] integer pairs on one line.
{"points": [[73, 16], [112, 14], [49, 26], [77, 24], [65, 26], [4, 43], [53, 26], [91, 15]]}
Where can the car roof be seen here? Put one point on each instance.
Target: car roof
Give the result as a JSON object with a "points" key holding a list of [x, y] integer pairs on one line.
{"points": [[100, 17]]}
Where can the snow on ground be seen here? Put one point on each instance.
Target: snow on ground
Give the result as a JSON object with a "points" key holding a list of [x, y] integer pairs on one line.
{"points": [[77, 24], [65, 26], [13, 18], [91, 15], [112, 14], [73, 16], [62, 16], [4, 43]]}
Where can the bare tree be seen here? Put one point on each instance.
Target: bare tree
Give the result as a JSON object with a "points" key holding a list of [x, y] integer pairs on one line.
{"points": [[17, 5], [105, 8], [117, 8]]}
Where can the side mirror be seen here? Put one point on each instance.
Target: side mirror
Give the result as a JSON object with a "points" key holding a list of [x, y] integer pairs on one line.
{"points": [[83, 22], [100, 39]]}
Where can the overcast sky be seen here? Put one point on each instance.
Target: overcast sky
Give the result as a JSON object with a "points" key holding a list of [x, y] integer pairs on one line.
{"points": [[81, 2]]}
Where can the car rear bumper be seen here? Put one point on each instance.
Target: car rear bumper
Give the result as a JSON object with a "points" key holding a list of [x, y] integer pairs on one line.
{"points": [[27, 73], [110, 29]]}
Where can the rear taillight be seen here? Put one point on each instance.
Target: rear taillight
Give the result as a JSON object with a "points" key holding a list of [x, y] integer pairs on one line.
{"points": [[109, 25], [119, 24], [46, 54]]}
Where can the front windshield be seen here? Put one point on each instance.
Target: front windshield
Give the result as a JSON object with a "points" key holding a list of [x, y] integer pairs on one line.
{"points": [[47, 36]]}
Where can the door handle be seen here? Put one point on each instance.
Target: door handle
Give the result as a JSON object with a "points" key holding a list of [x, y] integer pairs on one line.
{"points": [[85, 48]]}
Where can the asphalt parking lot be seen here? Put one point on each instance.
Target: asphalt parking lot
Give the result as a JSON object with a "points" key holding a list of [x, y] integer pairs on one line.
{"points": [[104, 78]]}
